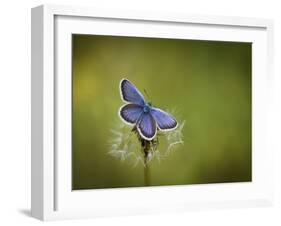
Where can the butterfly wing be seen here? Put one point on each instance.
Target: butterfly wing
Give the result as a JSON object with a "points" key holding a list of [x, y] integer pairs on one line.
{"points": [[146, 126], [163, 119], [129, 93], [130, 113]]}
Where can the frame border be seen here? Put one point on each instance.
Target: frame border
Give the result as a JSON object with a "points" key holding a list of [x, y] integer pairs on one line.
{"points": [[43, 159]]}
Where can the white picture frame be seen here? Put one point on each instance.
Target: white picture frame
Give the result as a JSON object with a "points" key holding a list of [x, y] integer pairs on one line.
{"points": [[52, 197]]}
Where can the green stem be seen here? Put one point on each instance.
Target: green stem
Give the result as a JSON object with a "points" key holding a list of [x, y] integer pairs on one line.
{"points": [[145, 147], [146, 172]]}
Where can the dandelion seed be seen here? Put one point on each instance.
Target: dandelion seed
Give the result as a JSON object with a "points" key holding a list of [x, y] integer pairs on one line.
{"points": [[127, 146]]}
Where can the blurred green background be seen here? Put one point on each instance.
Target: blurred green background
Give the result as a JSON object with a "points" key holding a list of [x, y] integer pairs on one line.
{"points": [[208, 82]]}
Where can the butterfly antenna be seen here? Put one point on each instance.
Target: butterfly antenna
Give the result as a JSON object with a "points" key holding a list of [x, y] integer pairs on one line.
{"points": [[148, 97]]}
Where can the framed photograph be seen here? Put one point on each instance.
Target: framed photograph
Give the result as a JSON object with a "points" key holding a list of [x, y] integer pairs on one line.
{"points": [[137, 112]]}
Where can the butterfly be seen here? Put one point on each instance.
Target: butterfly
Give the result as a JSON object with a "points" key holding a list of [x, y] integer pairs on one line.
{"points": [[146, 119]]}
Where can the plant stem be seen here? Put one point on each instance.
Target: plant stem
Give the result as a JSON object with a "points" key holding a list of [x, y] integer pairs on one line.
{"points": [[145, 147], [146, 172]]}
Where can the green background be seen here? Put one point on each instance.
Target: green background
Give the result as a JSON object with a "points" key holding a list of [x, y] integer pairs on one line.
{"points": [[208, 82]]}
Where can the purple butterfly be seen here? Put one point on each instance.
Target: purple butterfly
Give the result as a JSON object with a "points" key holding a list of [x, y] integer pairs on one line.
{"points": [[140, 113]]}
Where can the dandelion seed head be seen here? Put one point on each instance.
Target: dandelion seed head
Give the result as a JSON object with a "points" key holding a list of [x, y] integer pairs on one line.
{"points": [[125, 145]]}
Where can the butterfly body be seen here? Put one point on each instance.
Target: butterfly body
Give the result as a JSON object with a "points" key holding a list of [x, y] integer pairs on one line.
{"points": [[141, 114], [146, 109]]}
